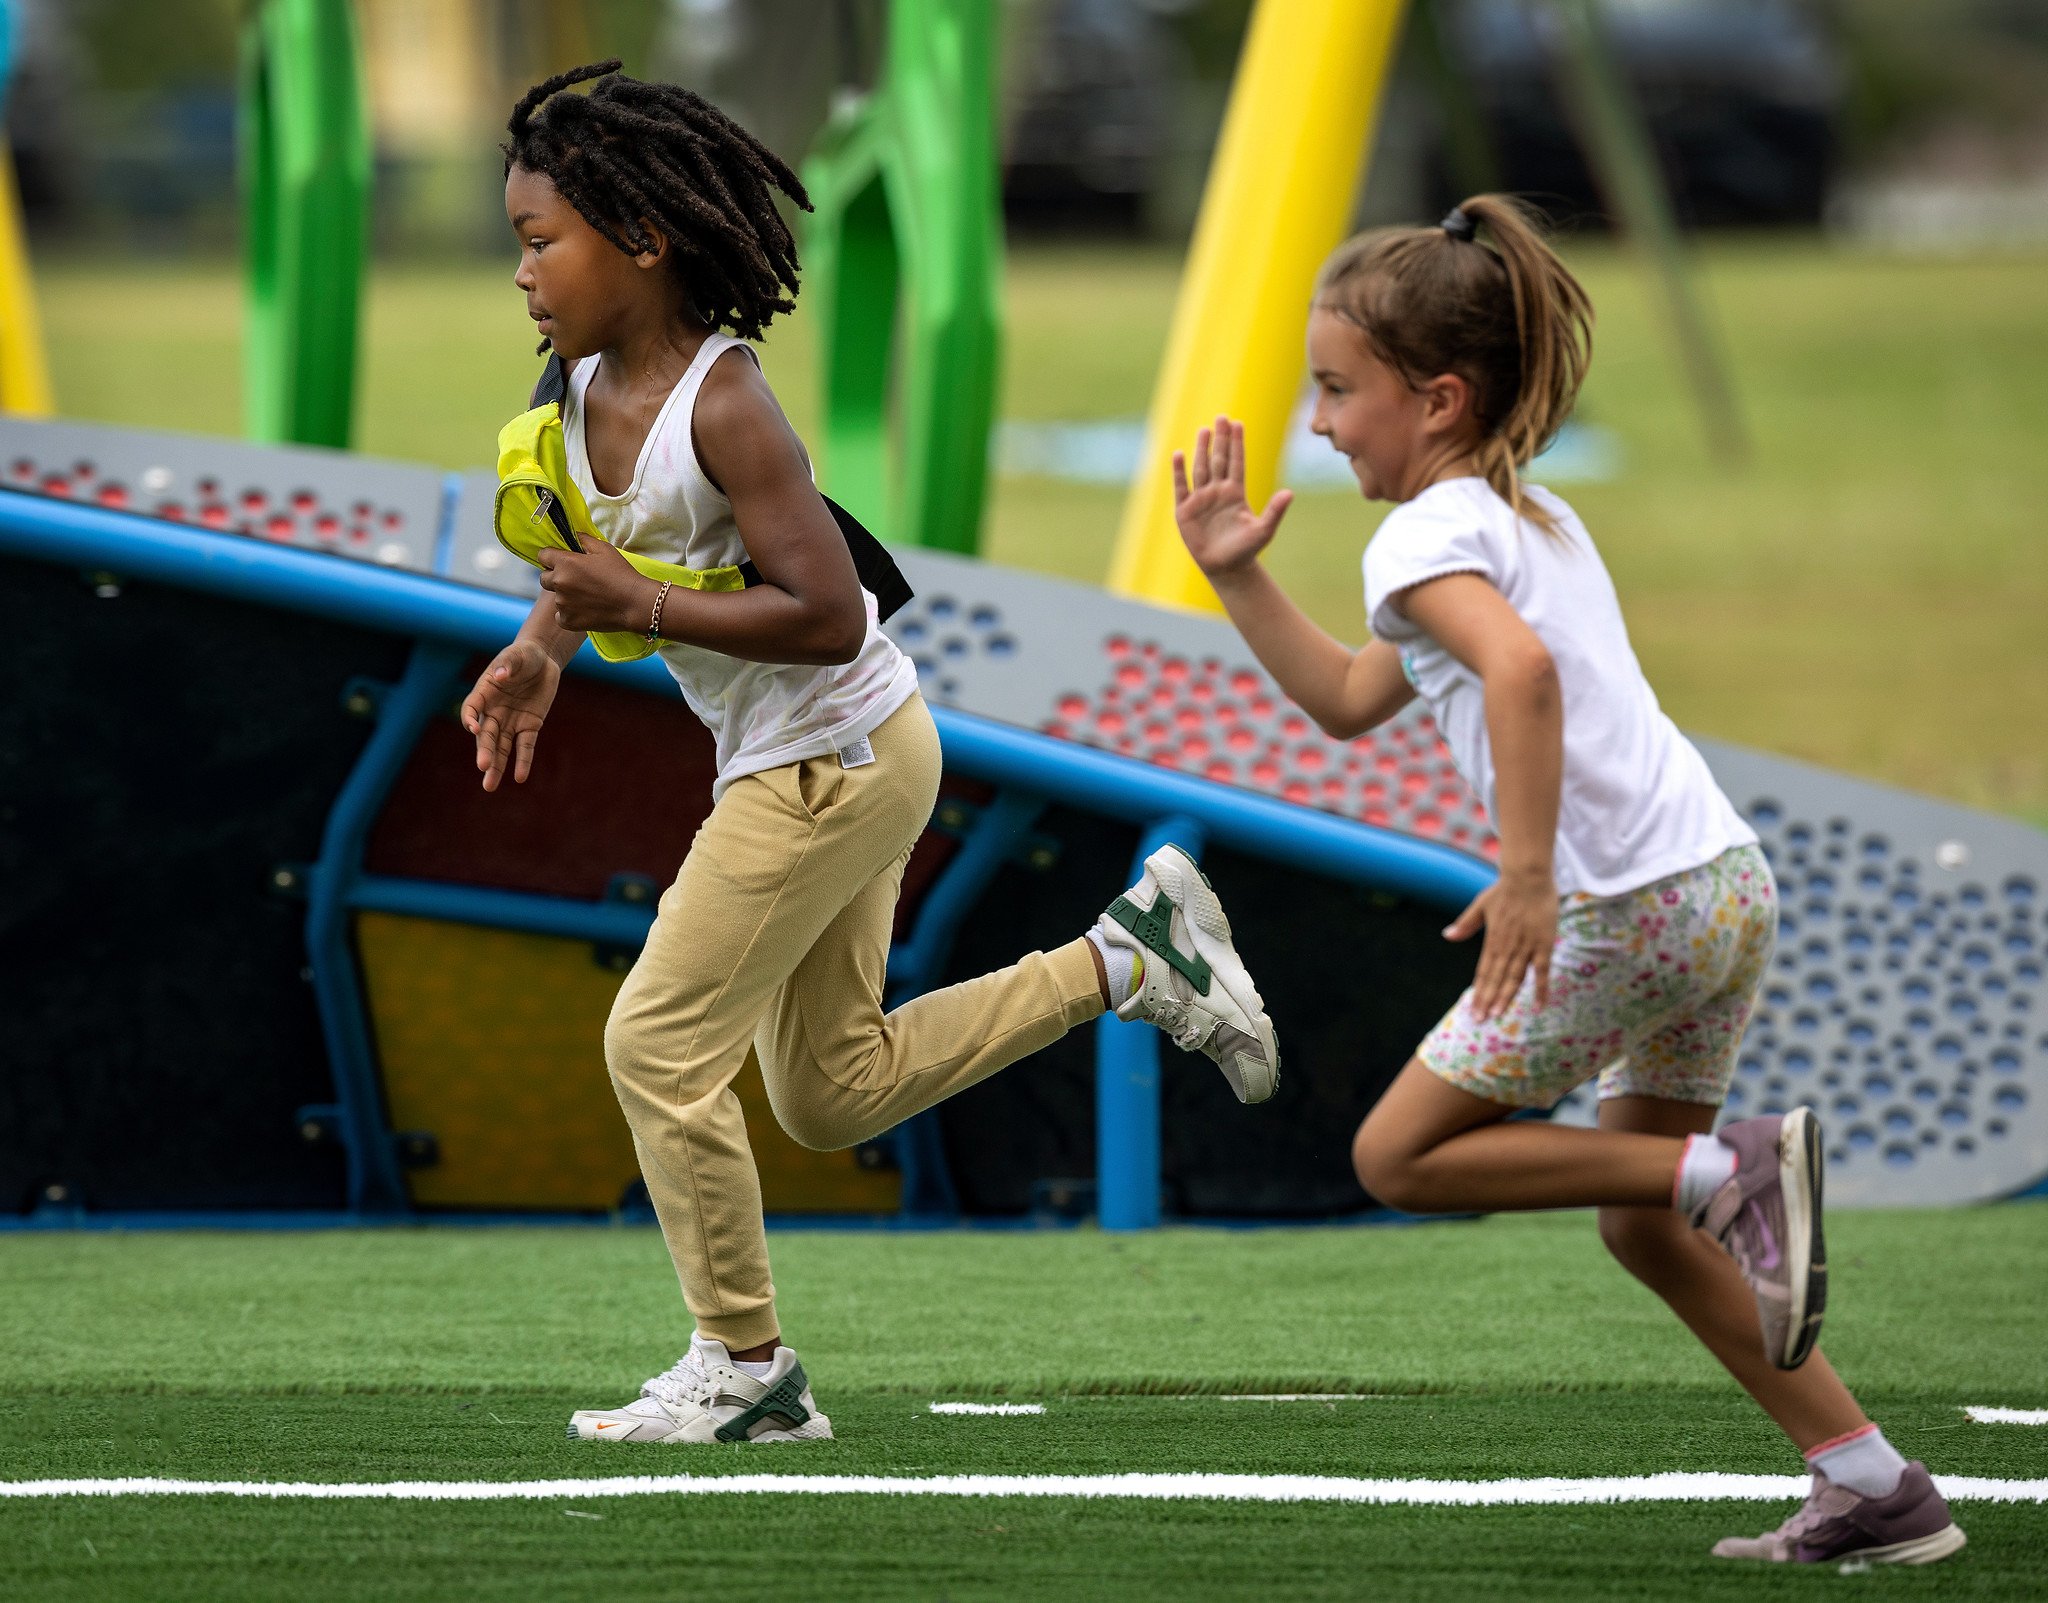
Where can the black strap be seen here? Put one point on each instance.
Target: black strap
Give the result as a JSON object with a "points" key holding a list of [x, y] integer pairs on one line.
{"points": [[553, 385], [879, 575]]}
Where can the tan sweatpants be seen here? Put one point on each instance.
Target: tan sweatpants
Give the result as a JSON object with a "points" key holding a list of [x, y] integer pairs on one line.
{"points": [[776, 935]]}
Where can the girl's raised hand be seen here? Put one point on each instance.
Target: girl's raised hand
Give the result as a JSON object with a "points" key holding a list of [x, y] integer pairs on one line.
{"points": [[1217, 524], [1519, 914]]}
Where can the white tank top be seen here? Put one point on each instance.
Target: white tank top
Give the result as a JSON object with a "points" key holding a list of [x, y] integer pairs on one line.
{"points": [[762, 715]]}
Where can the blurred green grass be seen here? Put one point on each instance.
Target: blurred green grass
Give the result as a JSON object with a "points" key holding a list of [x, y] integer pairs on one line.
{"points": [[1868, 592]]}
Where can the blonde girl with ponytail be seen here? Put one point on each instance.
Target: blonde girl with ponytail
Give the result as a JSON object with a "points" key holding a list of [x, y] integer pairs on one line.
{"points": [[1628, 933]]}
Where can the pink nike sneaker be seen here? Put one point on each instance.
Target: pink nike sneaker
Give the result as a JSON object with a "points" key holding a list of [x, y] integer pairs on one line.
{"points": [[1767, 1214], [1909, 1525]]}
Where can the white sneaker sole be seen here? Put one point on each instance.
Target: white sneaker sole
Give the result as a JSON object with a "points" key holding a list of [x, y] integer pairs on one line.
{"points": [[595, 1427], [1800, 1177], [1181, 882], [1921, 1550]]}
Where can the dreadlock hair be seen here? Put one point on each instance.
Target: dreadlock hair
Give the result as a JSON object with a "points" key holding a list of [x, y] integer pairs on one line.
{"points": [[1507, 317], [633, 157]]}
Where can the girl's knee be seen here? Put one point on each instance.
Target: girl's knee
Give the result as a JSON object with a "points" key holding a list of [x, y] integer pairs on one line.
{"points": [[821, 1125], [628, 1044], [641, 1054], [1385, 1165]]}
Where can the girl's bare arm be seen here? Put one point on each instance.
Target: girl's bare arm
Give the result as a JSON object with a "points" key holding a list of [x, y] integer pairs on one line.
{"points": [[808, 607], [541, 630], [511, 698], [1473, 621], [1346, 692]]}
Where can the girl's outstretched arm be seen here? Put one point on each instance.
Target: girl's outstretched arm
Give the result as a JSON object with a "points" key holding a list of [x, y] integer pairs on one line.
{"points": [[512, 696], [1346, 692], [1474, 622]]}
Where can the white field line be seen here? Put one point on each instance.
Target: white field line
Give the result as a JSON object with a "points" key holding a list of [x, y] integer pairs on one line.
{"points": [[1674, 1487], [1302, 1396], [988, 1408], [1246, 1397], [2007, 1416]]}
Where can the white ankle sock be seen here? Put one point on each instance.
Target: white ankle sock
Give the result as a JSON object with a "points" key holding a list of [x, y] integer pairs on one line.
{"points": [[1708, 1164], [746, 1366], [1117, 963], [1863, 1461]]}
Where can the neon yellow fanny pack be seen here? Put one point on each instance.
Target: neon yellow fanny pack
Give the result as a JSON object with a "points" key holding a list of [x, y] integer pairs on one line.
{"points": [[538, 506]]}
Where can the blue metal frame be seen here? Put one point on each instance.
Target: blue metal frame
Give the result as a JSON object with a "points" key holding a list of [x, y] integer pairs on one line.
{"points": [[403, 603], [991, 841], [47, 1219], [601, 923], [914, 965], [448, 619], [1127, 1166], [1242, 820], [375, 1184], [917, 962]]}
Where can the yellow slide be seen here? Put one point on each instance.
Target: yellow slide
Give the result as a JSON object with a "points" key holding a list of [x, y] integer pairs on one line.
{"points": [[1280, 192], [24, 373]]}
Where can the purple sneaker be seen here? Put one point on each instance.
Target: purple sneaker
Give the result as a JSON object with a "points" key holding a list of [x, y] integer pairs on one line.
{"points": [[1908, 1526], [1768, 1217]]}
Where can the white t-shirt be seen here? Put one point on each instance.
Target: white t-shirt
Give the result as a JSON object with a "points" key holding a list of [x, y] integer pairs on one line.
{"points": [[1638, 802], [762, 715]]}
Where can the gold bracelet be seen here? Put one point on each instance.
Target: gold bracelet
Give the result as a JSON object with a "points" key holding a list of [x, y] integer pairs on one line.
{"points": [[654, 623]]}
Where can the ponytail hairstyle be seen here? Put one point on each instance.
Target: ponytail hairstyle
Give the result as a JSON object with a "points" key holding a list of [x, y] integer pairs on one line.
{"points": [[1505, 316], [634, 156]]}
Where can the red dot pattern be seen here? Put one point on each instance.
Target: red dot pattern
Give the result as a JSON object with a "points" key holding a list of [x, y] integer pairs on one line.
{"points": [[1233, 725], [296, 517]]}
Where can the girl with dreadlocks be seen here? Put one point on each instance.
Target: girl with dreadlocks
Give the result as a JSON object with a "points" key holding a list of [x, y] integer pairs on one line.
{"points": [[1634, 915], [650, 251]]}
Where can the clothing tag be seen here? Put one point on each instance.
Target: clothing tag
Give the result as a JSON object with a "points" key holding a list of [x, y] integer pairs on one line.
{"points": [[858, 755]]}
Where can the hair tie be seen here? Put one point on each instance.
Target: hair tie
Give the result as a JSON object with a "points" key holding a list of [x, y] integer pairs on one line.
{"points": [[1458, 225]]}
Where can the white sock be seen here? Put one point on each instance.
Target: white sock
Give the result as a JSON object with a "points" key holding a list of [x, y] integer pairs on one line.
{"points": [[1863, 1461], [1708, 1165], [746, 1366], [1118, 964]]}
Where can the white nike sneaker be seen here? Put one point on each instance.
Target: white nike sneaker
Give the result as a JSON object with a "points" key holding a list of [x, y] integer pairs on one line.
{"points": [[1194, 985], [708, 1398]]}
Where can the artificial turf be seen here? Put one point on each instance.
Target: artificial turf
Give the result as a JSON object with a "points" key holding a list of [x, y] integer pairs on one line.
{"points": [[1506, 1348]]}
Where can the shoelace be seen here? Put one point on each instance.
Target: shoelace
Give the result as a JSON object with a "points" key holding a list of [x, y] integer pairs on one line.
{"points": [[684, 1382], [1176, 1019], [1810, 1516]]}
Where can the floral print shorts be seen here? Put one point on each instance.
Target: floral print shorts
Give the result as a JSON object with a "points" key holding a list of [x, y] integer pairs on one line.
{"points": [[1649, 990]]}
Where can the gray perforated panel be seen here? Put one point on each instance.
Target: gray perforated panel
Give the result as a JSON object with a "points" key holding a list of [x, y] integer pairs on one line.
{"points": [[474, 554], [1175, 688], [1904, 1000], [351, 506]]}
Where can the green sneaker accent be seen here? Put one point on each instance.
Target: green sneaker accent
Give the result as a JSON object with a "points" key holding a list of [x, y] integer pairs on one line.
{"points": [[785, 1397], [1154, 928]]}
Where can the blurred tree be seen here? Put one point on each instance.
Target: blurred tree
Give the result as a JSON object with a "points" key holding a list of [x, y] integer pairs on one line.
{"points": [[136, 49]]}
